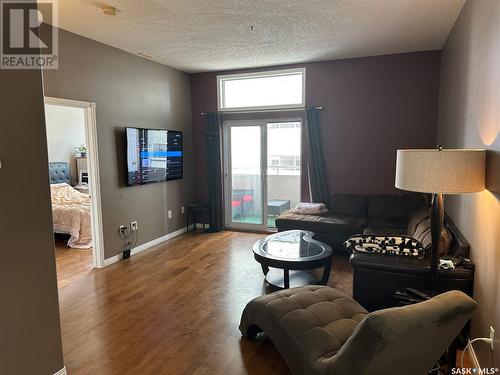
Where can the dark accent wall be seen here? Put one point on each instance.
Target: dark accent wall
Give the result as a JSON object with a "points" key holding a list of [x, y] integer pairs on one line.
{"points": [[128, 91], [372, 106], [469, 117], [30, 335]]}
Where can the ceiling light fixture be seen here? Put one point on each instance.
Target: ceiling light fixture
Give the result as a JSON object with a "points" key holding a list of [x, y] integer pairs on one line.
{"points": [[110, 10]]}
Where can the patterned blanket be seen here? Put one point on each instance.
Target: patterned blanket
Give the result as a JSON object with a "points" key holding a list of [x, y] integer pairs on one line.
{"points": [[388, 245], [71, 215]]}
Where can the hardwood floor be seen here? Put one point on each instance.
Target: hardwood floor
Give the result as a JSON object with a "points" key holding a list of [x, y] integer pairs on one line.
{"points": [[72, 264], [174, 309]]}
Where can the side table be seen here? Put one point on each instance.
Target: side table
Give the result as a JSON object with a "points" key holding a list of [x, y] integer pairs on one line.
{"points": [[196, 211]]}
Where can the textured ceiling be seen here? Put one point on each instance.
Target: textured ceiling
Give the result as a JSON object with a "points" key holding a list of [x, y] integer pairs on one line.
{"points": [[207, 35]]}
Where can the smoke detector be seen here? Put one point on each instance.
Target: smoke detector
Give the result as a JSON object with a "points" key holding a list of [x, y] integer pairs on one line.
{"points": [[110, 10]]}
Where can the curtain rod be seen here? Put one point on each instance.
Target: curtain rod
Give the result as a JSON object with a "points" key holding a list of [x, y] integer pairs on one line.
{"points": [[269, 110]]}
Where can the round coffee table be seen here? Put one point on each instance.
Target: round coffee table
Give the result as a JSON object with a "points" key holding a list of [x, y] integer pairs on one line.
{"points": [[293, 255]]}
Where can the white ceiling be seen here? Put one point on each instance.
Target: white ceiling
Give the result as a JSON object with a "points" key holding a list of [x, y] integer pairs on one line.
{"points": [[208, 35]]}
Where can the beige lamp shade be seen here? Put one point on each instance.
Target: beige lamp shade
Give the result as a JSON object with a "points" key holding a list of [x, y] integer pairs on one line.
{"points": [[447, 171]]}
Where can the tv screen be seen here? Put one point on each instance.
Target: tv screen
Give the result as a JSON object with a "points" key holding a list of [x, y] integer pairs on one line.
{"points": [[153, 155]]}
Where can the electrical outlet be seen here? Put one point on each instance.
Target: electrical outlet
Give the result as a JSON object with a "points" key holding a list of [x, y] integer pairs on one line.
{"points": [[169, 214], [183, 211], [133, 225], [492, 336], [122, 229]]}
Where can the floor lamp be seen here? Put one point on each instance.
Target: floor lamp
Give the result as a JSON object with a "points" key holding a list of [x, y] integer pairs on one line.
{"points": [[440, 171]]}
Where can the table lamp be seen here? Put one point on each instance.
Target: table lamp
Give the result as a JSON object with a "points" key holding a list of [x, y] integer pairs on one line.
{"points": [[440, 171]]}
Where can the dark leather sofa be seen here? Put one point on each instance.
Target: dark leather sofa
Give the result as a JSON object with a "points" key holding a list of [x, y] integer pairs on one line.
{"points": [[351, 214], [376, 277]]}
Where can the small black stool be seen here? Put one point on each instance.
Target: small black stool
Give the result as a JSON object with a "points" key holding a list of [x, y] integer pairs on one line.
{"points": [[195, 211]]}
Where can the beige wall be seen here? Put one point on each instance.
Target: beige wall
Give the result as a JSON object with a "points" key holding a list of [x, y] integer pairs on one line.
{"points": [[469, 116], [30, 337], [65, 131], [128, 91]]}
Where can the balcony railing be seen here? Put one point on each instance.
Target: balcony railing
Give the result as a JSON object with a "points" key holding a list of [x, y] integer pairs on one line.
{"points": [[247, 195]]}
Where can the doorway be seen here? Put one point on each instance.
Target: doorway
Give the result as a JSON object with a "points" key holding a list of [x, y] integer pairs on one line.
{"points": [[262, 171], [75, 183]]}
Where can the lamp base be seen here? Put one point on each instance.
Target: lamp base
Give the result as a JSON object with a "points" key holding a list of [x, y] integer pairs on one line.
{"points": [[437, 219]]}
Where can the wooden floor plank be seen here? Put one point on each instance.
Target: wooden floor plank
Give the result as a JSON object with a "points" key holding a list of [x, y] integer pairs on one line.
{"points": [[174, 309]]}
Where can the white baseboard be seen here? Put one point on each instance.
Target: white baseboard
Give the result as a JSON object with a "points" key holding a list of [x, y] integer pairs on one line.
{"points": [[61, 371], [147, 245]]}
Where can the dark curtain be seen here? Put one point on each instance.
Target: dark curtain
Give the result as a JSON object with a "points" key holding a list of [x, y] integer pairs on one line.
{"points": [[213, 148], [318, 184]]}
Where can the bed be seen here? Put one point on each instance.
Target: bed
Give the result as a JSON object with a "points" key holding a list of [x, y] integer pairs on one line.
{"points": [[70, 208]]}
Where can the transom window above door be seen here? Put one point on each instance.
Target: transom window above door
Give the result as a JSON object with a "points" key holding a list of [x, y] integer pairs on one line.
{"points": [[277, 89]]}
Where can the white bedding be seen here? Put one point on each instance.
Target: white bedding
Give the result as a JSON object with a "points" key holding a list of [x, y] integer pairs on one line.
{"points": [[71, 215]]}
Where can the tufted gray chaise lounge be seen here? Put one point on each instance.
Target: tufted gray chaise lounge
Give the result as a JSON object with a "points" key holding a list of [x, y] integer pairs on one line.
{"points": [[321, 330]]}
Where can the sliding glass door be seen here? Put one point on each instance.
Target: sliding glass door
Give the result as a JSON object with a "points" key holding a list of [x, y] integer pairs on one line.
{"points": [[244, 174], [261, 171], [283, 168]]}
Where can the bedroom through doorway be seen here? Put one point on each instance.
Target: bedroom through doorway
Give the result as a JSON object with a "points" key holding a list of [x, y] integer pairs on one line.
{"points": [[74, 187]]}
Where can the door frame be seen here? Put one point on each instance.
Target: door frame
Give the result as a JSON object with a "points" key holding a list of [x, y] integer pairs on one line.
{"points": [[226, 156], [94, 175]]}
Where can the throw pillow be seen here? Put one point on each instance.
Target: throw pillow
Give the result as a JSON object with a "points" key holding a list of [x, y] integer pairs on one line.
{"points": [[416, 218], [423, 234]]}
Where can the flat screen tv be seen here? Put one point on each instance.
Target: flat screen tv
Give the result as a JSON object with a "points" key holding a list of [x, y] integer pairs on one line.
{"points": [[153, 155]]}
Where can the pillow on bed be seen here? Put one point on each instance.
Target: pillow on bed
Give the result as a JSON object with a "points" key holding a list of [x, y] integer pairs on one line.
{"points": [[387, 245]]}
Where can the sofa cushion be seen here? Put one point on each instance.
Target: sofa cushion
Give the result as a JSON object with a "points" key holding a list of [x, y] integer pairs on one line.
{"points": [[382, 223], [395, 206], [349, 204], [330, 223], [396, 231], [386, 226]]}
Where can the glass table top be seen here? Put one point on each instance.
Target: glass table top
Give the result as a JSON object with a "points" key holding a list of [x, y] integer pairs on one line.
{"points": [[292, 245]]}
